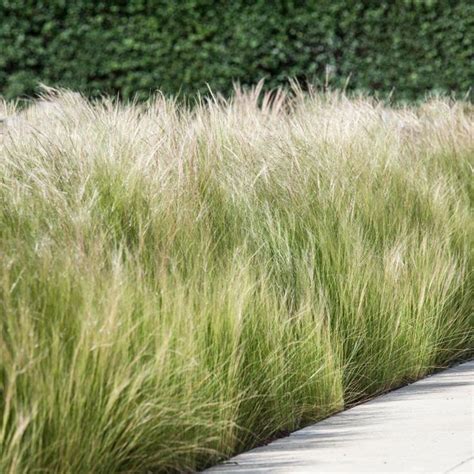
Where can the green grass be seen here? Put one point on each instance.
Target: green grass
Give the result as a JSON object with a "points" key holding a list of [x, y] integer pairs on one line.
{"points": [[178, 285]]}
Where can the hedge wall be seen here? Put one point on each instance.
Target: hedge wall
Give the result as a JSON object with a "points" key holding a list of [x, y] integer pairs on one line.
{"points": [[136, 46]]}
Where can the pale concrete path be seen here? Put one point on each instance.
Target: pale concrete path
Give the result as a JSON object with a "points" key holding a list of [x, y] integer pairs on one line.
{"points": [[423, 427]]}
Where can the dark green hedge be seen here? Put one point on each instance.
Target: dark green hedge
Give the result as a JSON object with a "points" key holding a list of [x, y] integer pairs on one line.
{"points": [[137, 46]]}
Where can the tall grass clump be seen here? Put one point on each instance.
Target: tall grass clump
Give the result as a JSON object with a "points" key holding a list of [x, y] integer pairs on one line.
{"points": [[179, 284]]}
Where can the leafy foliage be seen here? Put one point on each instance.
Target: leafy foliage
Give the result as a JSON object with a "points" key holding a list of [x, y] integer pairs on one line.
{"points": [[134, 47]]}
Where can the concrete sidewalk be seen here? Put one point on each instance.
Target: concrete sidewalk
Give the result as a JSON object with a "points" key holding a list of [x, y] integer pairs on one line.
{"points": [[423, 427]]}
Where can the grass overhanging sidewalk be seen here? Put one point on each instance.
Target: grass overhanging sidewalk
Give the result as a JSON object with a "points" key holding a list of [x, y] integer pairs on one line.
{"points": [[177, 285]]}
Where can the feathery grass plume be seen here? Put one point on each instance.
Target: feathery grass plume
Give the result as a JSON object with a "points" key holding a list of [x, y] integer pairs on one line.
{"points": [[178, 283]]}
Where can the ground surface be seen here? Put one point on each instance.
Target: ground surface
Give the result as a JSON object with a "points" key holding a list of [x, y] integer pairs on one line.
{"points": [[423, 427]]}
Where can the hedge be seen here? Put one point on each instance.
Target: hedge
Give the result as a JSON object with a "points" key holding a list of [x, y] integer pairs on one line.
{"points": [[134, 47]]}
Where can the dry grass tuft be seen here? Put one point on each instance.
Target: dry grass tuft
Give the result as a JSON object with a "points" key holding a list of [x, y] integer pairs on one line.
{"points": [[179, 284]]}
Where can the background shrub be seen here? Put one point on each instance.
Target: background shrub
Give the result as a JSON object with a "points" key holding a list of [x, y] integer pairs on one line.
{"points": [[132, 47]]}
